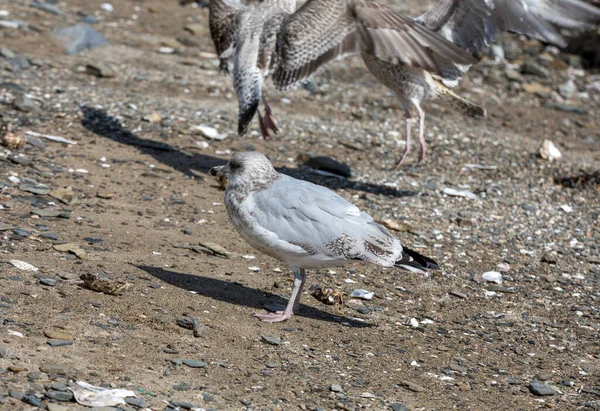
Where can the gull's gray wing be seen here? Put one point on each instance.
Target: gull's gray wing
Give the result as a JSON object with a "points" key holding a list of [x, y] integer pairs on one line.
{"points": [[474, 24], [321, 222], [322, 30], [221, 16]]}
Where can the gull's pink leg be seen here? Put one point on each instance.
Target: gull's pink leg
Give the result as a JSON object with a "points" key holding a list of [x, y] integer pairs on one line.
{"points": [[296, 307], [409, 121], [293, 303], [270, 121], [422, 145], [264, 130]]}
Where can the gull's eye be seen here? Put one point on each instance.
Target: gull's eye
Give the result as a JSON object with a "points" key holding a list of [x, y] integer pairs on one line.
{"points": [[234, 165]]}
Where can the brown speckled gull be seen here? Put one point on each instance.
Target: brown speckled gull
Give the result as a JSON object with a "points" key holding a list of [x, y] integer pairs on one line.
{"points": [[305, 225]]}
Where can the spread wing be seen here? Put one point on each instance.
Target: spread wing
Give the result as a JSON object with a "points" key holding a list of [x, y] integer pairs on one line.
{"points": [[221, 16], [474, 24], [321, 222], [323, 30]]}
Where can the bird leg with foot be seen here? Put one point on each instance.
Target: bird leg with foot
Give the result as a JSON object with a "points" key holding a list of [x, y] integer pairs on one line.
{"points": [[293, 306], [267, 122], [407, 148]]}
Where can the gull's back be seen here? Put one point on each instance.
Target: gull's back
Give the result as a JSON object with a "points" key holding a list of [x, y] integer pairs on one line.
{"points": [[310, 226]]}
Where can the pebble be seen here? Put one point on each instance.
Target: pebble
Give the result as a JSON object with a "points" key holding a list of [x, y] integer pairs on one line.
{"points": [[189, 323], [411, 386], [48, 8], [181, 404], [136, 402], [50, 282], [32, 400], [59, 343], [18, 395], [398, 407], [335, 388], [59, 386], [543, 376], [541, 389], [548, 151], [270, 340], [459, 294], [52, 406], [182, 386], [63, 396], [50, 368], [194, 363], [362, 294]]}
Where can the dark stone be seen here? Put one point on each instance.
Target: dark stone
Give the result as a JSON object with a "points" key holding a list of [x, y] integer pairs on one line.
{"points": [[187, 322], [32, 400], [541, 389], [59, 386], [182, 386], [63, 396], [136, 402], [18, 395], [59, 343], [181, 404], [50, 282], [398, 407]]}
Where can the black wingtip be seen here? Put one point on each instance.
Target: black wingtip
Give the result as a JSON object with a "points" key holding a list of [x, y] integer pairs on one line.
{"points": [[246, 114], [413, 259]]}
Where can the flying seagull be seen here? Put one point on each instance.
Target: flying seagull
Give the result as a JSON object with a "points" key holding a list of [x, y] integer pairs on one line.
{"points": [[305, 225], [273, 38], [293, 46]]}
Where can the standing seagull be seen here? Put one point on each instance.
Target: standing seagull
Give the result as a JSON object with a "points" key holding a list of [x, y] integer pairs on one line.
{"points": [[470, 24], [305, 225], [272, 38]]}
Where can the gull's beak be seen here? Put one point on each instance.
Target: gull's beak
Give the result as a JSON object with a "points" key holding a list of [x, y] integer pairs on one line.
{"points": [[217, 170]]}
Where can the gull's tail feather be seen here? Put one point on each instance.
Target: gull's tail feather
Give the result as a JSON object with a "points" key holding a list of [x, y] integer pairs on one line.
{"points": [[458, 103], [415, 262]]}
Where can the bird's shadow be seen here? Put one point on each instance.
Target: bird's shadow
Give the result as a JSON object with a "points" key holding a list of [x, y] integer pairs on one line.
{"points": [[235, 293], [100, 123]]}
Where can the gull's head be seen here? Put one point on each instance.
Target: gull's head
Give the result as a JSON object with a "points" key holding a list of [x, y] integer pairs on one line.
{"points": [[250, 166]]}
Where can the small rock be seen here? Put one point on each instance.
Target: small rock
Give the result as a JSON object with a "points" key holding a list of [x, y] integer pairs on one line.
{"points": [[270, 340], [59, 343], [32, 400], [52, 406], [136, 402], [59, 386], [210, 132], [50, 282], [548, 278], [187, 322], [362, 294], [492, 277], [182, 386], [182, 404], [548, 151], [458, 294], [17, 395], [549, 258], [25, 104], [535, 69], [48, 8], [411, 386], [543, 376], [22, 265], [567, 90], [71, 248], [64, 195], [153, 118], [194, 363], [50, 368], [63, 396], [537, 89], [541, 389], [335, 388], [100, 70], [398, 407]]}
